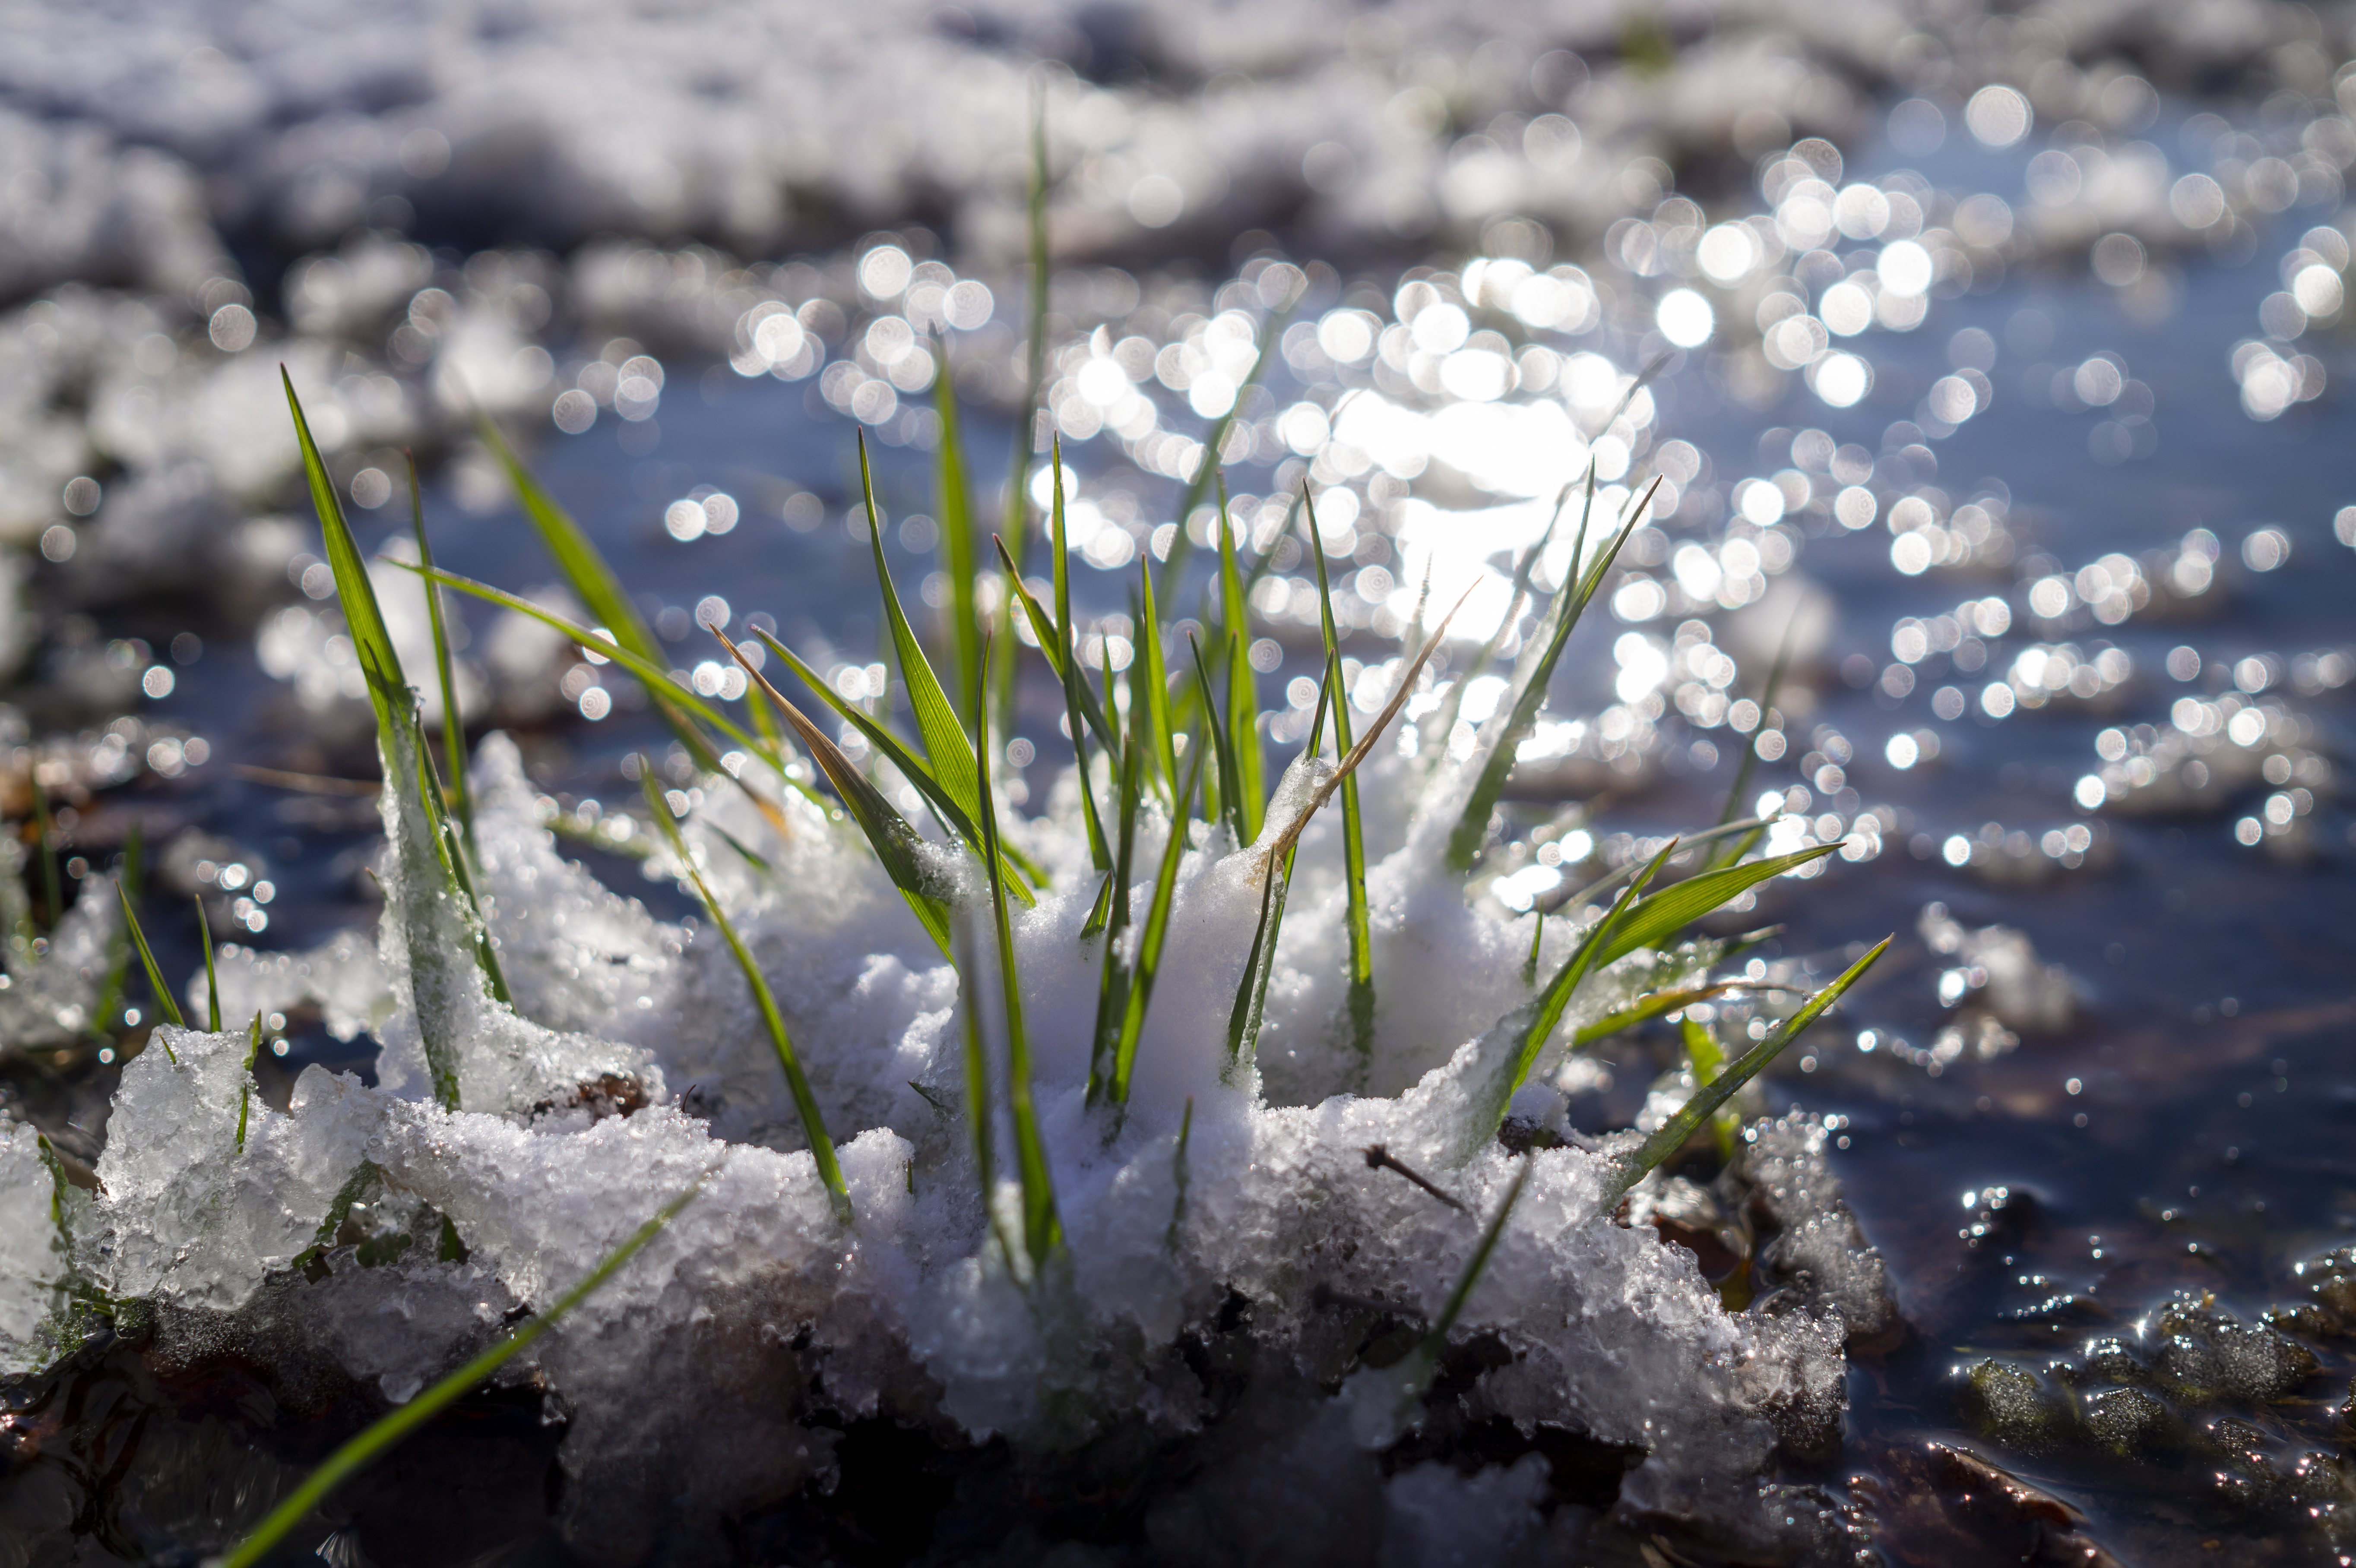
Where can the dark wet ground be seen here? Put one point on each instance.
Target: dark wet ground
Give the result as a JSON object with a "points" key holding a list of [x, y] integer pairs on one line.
{"points": [[2088, 1232]]}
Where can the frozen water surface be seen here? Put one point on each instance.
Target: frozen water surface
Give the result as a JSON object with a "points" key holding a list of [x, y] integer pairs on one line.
{"points": [[2000, 367]]}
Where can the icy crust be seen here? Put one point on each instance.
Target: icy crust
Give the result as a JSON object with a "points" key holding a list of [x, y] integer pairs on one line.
{"points": [[33, 1264], [420, 1228]]}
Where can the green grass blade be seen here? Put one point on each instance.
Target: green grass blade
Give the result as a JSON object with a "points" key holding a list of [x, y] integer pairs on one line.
{"points": [[1243, 686], [1530, 682], [958, 557], [212, 980], [1584, 960], [804, 1102], [890, 746], [1112, 985], [165, 1002], [897, 845], [943, 737], [1673, 908], [454, 727], [1148, 672], [426, 846], [1042, 1231], [1673, 1134], [1652, 1007], [1044, 626], [1538, 941], [1702, 1053], [1075, 685], [1156, 932], [1354, 832], [244, 1084], [370, 1444], [1230, 790], [1250, 1010], [977, 1083], [1475, 1265]]}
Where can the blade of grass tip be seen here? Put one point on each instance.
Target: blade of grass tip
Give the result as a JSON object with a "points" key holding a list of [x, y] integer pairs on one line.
{"points": [[1034, 386], [1215, 440], [896, 844], [212, 978], [593, 581], [165, 1003], [1742, 770], [1112, 985], [245, 1083], [1361, 996], [52, 891], [1242, 684], [378, 1438], [454, 727], [1149, 940], [1042, 1231], [1230, 788], [962, 615], [937, 728], [1150, 673], [424, 846], [804, 1102], [1672, 1135], [1702, 1053], [1531, 680], [1537, 940]]}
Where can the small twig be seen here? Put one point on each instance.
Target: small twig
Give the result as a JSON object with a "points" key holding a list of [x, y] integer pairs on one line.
{"points": [[1380, 1159]]}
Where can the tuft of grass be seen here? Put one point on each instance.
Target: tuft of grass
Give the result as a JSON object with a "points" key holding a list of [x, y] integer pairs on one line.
{"points": [[1043, 1232], [1532, 675], [430, 858], [830, 1170], [1672, 1135], [1150, 679], [382, 1436]]}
